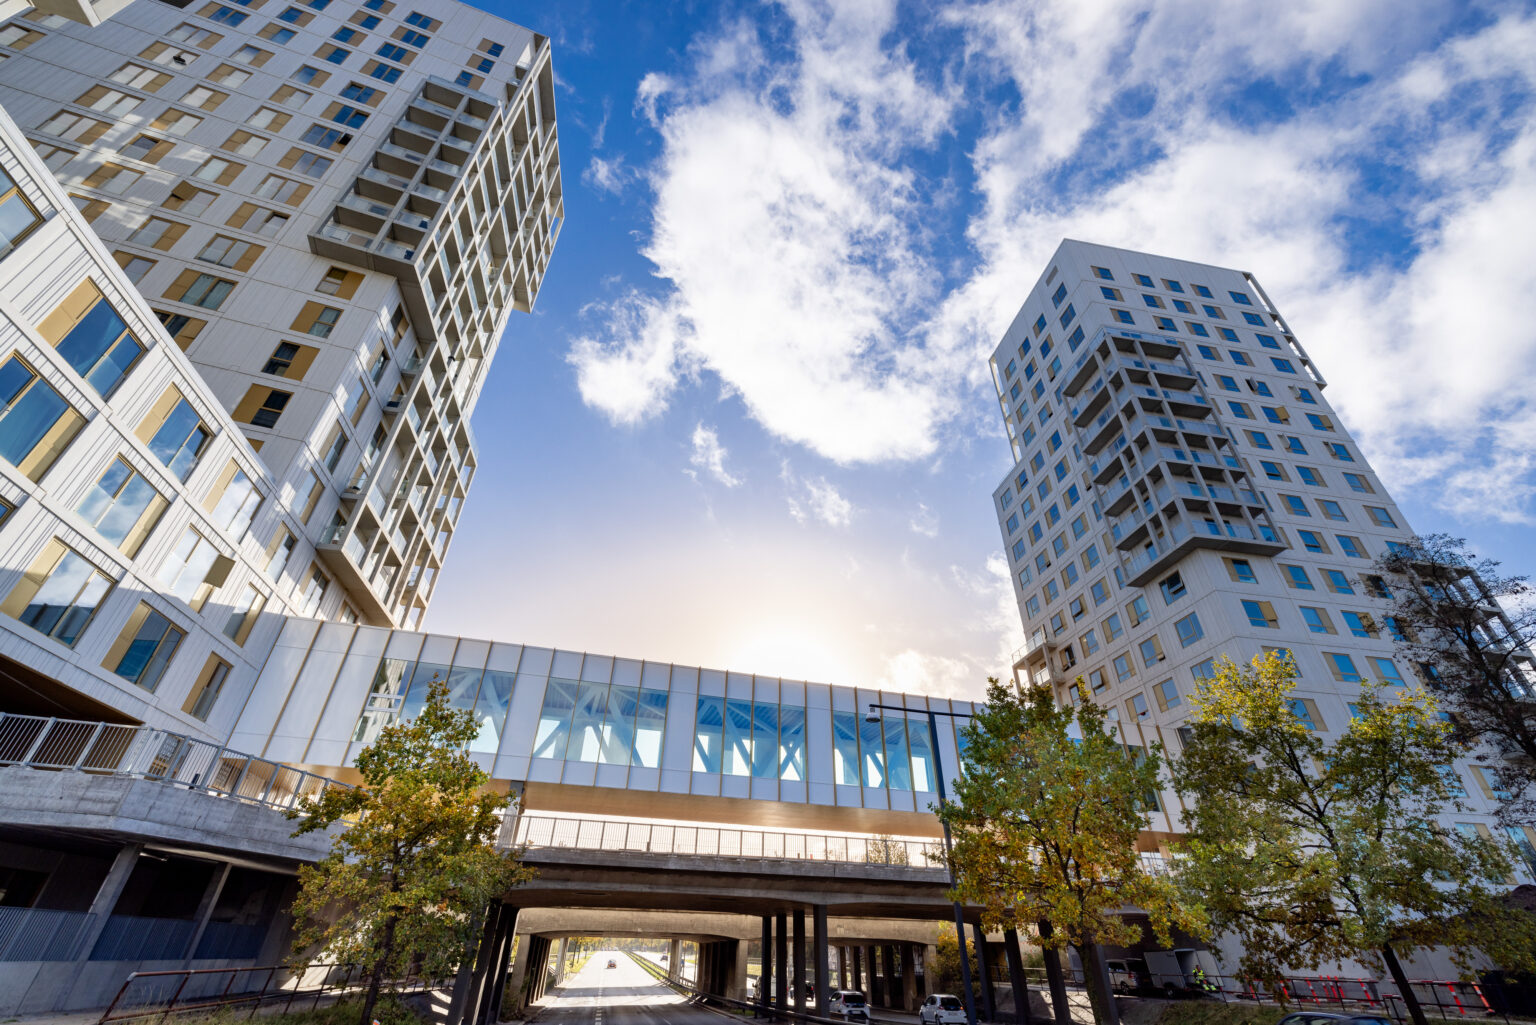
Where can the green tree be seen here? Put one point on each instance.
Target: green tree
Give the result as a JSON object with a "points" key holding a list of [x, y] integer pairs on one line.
{"points": [[1311, 851], [947, 976], [1045, 827], [1466, 628], [406, 881]]}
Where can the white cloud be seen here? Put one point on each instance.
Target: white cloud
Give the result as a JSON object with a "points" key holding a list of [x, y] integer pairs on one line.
{"points": [[630, 375], [606, 175], [815, 498], [709, 456], [924, 521]]}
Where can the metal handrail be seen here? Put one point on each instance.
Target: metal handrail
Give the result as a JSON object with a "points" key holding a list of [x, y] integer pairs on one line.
{"points": [[538, 831], [147, 752]]}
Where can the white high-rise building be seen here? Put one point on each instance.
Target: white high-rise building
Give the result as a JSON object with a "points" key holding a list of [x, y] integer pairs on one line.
{"points": [[1182, 490], [334, 207]]}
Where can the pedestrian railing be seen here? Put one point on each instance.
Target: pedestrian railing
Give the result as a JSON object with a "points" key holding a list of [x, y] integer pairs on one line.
{"points": [[146, 995], [146, 752], [537, 831]]}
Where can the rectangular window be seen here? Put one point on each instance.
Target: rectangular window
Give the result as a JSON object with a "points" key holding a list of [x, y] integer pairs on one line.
{"points": [[205, 693], [1296, 576], [194, 569], [1317, 620], [1136, 705], [1351, 546], [175, 434], [1112, 627], [1167, 695], [123, 507], [1261, 613], [93, 338], [1151, 651], [145, 647], [1241, 570], [1380, 516], [1358, 482], [233, 500], [1313, 542], [244, 614], [1338, 582], [205, 290], [314, 590], [1361, 625], [59, 594], [262, 406], [36, 424], [1342, 667], [1306, 712], [1189, 630], [1340, 451]]}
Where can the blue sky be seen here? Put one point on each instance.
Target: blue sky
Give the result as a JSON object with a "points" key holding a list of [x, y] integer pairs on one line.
{"points": [[749, 425]]}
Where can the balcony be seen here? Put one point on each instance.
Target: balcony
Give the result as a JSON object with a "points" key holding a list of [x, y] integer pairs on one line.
{"points": [[342, 552]]}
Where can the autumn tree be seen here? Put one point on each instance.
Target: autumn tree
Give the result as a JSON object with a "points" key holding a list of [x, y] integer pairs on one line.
{"points": [[1311, 851], [1466, 627], [408, 878], [1045, 823]]}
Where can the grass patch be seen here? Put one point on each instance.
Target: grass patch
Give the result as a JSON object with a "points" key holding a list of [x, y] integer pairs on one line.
{"points": [[1212, 1012], [388, 1011]]}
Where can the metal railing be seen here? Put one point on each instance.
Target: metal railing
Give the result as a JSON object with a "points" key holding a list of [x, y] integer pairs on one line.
{"points": [[146, 752], [537, 831], [161, 994]]}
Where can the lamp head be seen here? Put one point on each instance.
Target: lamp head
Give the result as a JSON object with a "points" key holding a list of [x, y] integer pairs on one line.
{"points": [[873, 716]]}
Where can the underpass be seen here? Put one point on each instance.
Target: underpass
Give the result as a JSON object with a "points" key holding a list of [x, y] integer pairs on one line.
{"points": [[622, 995]]}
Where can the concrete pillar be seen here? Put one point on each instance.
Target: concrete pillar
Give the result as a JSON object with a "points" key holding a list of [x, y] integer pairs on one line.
{"points": [[105, 901], [560, 962], [819, 956], [988, 1008], [842, 967], [205, 906], [738, 990], [870, 991], [1016, 978], [781, 962], [472, 968], [797, 973], [675, 959], [892, 983], [1062, 1011], [908, 977], [765, 965], [496, 979], [518, 976]]}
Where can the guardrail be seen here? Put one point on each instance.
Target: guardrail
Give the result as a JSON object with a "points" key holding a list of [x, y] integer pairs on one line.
{"points": [[146, 752], [646, 838]]}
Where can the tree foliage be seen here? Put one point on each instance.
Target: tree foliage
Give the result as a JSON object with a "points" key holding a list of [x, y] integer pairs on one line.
{"points": [[1312, 851], [1466, 627], [1045, 827], [947, 974], [406, 881]]}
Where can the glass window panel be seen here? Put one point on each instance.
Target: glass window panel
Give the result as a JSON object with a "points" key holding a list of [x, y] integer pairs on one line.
{"points": [[30, 411], [383, 699], [845, 750], [898, 769], [587, 723], [872, 749], [792, 743], [100, 348], [555, 719], [765, 740], [619, 730], [708, 723], [921, 746], [738, 738], [650, 724], [67, 600], [491, 710], [421, 682], [463, 686]]}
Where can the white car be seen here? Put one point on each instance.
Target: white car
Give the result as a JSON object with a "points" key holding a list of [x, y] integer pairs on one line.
{"points": [[942, 1009], [849, 1003]]}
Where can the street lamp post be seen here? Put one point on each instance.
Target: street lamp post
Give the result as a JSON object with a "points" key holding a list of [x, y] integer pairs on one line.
{"points": [[938, 776]]}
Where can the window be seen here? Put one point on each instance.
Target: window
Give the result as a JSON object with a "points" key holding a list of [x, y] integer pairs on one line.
{"points": [[109, 101], [1153, 301], [1338, 583], [347, 35], [1172, 587], [144, 648], [1310, 476], [18, 37], [258, 220], [224, 15], [1112, 627], [384, 72], [218, 170], [307, 74], [92, 338], [1282, 365], [290, 96], [1380, 516], [1151, 651], [1313, 542], [123, 507], [1359, 483], [59, 594], [1340, 451], [283, 190], [204, 98], [1361, 625], [1293, 444], [416, 39], [1189, 630], [1167, 695], [1240, 409], [134, 267], [422, 21], [1241, 570], [1377, 587], [1258, 439], [262, 406], [75, 127], [1261, 613], [1294, 505], [233, 500], [1240, 357], [224, 251], [205, 693], [1342, 667], [1319, 422], [203, 290], [175, 434], [189, 199], [1306, 712], [193, 569], [243, 614], [1123, 316], [391, 52], [36, 424], [1296, 576], [1489, 785], [1123, 667], [1137, 611], [1317, 620], [325, 138], [1351, 546], [175, 122], [304, 162], [334, 450], [244, 144], [229, 76], [313, 591], [1204, 670]]}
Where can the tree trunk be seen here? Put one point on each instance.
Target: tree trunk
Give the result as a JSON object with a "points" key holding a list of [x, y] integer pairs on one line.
{"points": [[1096, 982], [1415, 1012], [380, 966]]}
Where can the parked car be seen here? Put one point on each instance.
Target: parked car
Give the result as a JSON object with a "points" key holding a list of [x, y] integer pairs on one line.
{"points": [[1329, 1018], [612, 963], [849, 1003], [663, 959], [942, 1009], [1128, 975]]}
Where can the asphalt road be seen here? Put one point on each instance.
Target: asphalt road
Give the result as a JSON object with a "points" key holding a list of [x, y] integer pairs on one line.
{"points": [[621, 995]]}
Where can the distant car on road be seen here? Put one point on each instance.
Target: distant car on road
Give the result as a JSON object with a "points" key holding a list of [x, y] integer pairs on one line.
{"points": [[942, 1009], [663, 959], [1329, 1018], [849, 1003], [612, 963]]}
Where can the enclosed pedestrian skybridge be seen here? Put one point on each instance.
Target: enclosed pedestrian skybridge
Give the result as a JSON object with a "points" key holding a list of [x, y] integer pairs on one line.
{"points": [[601, 735]]}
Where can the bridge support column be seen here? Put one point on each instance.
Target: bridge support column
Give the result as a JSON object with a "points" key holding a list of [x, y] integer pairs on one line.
{"points": [[563, 959], [988, 1008], [496, 977], [870, 991], [738, 989], [1062, 1011], [780, 962], [765, 965], [469, 984], [892, 984], [842, 967], [675, 959], [819, 957], [518, 976], [1016, 979], [797, 973], [908, 978]]}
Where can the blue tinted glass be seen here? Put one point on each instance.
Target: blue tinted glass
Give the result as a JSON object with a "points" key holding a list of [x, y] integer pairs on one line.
{"points": [[555, 719], [29, 412], [587, 723], [872, 749], [899, 770], [765, 740], [738, 738], [619, 730], [707, 726], [650, 724], [491, 710], [845, 753], [792, 743]]}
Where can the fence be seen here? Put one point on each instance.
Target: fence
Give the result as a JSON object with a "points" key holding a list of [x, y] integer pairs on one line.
{"points": [[144, 752], [641, 837], [161, 994]]}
